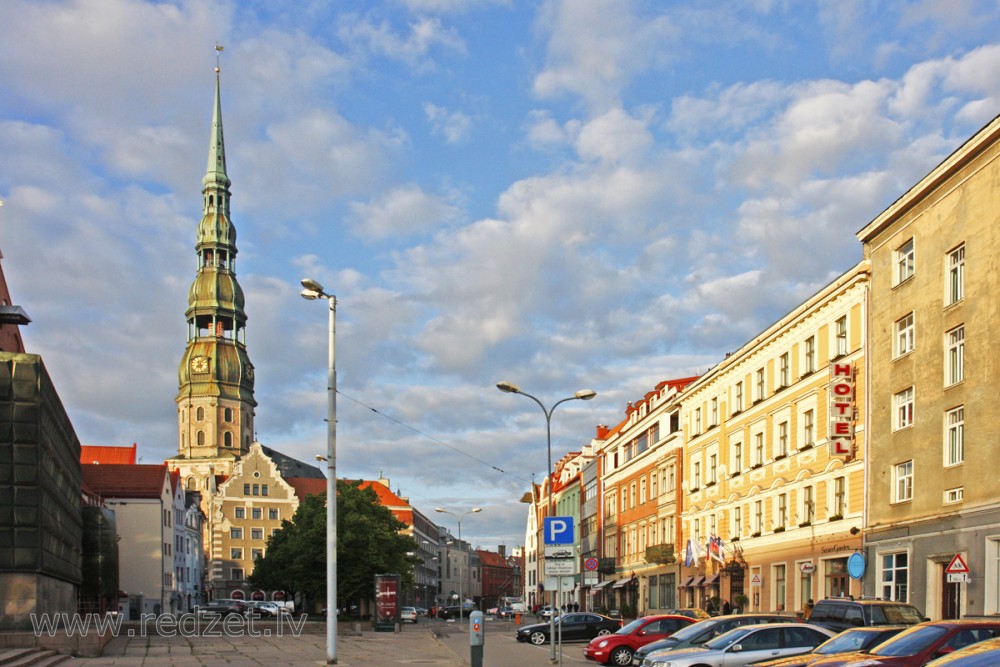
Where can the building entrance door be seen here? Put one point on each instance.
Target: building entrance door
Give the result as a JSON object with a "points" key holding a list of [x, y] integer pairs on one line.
{"points": [[951, 595]]}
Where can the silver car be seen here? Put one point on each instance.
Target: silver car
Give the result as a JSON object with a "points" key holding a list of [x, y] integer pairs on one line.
{"points": [[745, 645]]}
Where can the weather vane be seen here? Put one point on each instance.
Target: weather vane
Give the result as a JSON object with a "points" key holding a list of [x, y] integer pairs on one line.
{"points": [[218, 52]]}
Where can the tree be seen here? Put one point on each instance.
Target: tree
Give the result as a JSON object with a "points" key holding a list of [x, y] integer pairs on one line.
{"points": [[369, 542]]}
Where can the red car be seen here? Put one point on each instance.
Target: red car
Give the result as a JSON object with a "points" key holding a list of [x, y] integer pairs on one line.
{"points": [[617, 649], [918, 644]]}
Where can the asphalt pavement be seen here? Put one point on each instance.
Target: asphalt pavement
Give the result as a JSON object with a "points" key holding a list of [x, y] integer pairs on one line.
{"points": [[429, 643]]}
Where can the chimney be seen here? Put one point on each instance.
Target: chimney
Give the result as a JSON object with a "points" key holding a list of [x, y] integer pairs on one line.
{"points": [[502, 550], [602, 432]]}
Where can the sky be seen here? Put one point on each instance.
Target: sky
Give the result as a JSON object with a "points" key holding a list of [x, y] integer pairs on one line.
{"points": [[563, 194]]}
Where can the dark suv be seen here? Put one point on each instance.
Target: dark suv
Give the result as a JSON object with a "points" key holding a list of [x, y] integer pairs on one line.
{"points": [[843, 613]]}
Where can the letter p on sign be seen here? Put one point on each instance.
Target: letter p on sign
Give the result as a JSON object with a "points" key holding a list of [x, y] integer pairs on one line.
{"points": [[558, 530]]}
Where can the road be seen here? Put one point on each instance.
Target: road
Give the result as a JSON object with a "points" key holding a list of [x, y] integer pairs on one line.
{"points": [[500, 648]]}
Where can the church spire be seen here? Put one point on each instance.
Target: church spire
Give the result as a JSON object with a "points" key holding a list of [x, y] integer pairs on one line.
{"points": [[215, 174], [215, 399]]}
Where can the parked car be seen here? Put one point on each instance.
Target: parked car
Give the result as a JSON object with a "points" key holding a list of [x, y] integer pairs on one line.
{"points": [[919, 644], [267, 608], [546, 611], [407, 614], [617, 649], [224, 608], [981, 654], [749, 644], [574, 626], [692, 612], [505, 612], [849, 641], [843, 613], [451, 611], [700, 632]]}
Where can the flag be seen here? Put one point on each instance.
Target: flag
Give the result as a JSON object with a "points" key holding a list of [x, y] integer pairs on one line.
{"points": [[699, 552], [716, 549], [689, 560]]}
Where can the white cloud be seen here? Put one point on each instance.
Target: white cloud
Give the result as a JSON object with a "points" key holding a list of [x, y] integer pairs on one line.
{"points": [[614, 137], [454, 126], [414, 48], [402, 211]]}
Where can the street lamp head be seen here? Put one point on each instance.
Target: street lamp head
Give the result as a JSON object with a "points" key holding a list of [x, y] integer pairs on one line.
{"points": [[508, 387], [312, 295], [320, 457], [585, 394], [476, 509], [441, 509], [312, 285]]}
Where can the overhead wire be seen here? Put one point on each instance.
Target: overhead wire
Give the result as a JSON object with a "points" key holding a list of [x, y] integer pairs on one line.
{"points": [[430, 437]]}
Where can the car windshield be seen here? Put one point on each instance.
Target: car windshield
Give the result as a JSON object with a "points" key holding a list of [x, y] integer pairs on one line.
{"points": [[848, 640], [895, 614], [692, 631], [631, 627], [726, 640], [910, 641]]}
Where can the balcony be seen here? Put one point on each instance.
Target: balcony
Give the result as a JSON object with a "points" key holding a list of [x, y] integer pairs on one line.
{"points": [[606, 565], [661, 553]]}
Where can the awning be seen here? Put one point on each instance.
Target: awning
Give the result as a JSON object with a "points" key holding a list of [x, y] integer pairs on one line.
{"points": [[621, 583], [699, 581], [712, 581], [687, 583], [602, 584]]}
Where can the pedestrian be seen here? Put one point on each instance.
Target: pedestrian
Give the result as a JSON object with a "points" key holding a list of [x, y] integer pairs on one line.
{"points": [[809, 609], [726, 608], [576, 607]]}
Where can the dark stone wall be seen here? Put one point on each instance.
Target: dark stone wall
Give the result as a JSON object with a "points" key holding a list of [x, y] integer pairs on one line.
{"points": [[40, 522]]}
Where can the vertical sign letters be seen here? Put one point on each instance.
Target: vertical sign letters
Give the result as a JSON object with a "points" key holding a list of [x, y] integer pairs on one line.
{"points": [[841, 409]]}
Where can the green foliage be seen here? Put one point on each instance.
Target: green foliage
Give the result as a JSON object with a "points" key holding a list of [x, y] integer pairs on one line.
{"points": [[368, 543]]}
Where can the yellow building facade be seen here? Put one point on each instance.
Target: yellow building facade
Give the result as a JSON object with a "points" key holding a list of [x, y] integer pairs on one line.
{"points": [[773, 473], [934, 430]]}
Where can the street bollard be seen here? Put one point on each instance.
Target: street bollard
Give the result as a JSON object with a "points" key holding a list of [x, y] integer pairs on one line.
{"points": [[476, 638]]}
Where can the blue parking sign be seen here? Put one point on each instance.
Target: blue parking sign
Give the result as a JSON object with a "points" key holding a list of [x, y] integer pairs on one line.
{"points": [[558, 530]]}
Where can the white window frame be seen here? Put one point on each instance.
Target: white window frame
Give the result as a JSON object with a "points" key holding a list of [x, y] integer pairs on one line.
{"points": [[759, 447], [737, 462], [807, 512], [954, 436], [696, 475], [809, 356], [955, 280], [738, 397], [955, 495], [781, 511], [782, 439], [713, 468], [737, 527], [714, 414], [887, 576], [840, 337], [954, 366], [760, 384], [785, 369], [903, 412], [808, 428], [902, 482], [904, 337], [839, 496], [905, 261]]}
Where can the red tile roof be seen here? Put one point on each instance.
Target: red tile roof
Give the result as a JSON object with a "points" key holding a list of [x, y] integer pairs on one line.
{"points": [[118, 480], [307, 486], [107, 454]]}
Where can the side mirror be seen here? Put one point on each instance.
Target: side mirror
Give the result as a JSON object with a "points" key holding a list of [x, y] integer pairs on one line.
{"points": [[736, 648], [945, 650]]}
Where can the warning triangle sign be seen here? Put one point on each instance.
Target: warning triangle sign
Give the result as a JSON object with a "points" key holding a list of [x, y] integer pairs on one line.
{"points": [[957, 565]]}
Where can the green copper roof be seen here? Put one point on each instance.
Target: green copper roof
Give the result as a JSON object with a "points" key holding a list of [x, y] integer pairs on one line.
{"points": [[216, 172]]}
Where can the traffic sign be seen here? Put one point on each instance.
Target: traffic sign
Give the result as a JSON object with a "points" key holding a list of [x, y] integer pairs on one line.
{"points": [[560, 567], [957, 566], [590, 564], [960, 578], [755, 580], [558, 529]]}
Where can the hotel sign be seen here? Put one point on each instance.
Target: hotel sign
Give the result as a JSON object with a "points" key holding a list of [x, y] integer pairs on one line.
{"points": [[842, 401]]}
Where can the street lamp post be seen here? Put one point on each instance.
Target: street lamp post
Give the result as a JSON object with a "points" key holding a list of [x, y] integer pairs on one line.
{"points": [[313, 290], [461, 600], [582, 395]]}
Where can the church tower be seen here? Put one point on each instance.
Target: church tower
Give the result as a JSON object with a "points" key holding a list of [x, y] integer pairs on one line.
{"points": [[215, 401]]}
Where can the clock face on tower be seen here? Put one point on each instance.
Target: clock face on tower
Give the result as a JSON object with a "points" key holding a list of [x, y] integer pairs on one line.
{"points": [[199, 364], [249, 372]]}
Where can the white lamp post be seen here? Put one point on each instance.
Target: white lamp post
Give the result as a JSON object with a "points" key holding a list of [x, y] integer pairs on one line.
{"points": [[582, 395], [313, 290], [461, 599]]}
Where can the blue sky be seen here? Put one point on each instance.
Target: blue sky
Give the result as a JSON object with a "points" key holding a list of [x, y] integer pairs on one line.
{"points": [[565, 195]]}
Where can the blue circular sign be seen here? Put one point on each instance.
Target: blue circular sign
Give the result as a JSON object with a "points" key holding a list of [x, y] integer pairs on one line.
{"points": [[856, 565]]}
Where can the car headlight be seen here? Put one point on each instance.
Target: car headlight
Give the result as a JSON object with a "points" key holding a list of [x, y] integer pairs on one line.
{"points": [[602, 643]]}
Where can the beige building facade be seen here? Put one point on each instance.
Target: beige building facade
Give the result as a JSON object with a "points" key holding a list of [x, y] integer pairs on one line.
{"points": [[773, 478], [933, 338]]}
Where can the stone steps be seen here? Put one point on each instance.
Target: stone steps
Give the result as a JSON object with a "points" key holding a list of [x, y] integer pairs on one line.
{"points": [[35, 657]]}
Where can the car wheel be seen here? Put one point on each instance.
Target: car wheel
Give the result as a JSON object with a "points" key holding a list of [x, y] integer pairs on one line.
{"points": [[621, 656], [603, 631], [537, 638]]}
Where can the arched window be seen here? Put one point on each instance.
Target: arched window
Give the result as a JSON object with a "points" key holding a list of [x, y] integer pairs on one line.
{"points": [[201, 438], [229, 414], [191, 483], [200, 414], [227, 439]]}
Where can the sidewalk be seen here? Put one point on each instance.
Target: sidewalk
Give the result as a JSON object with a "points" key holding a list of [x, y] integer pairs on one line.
{"points": [[368, 648]]}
